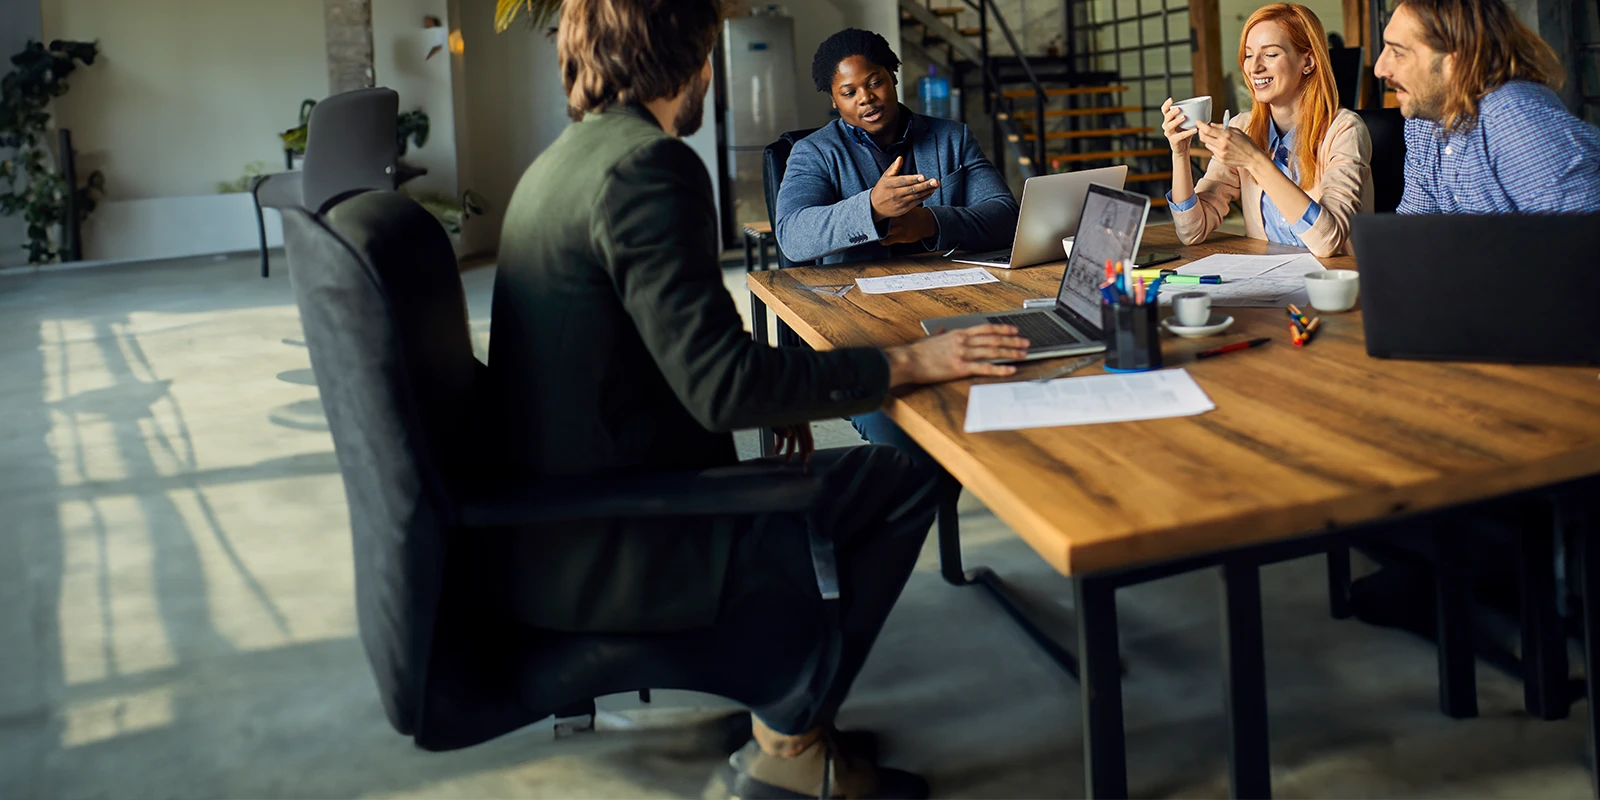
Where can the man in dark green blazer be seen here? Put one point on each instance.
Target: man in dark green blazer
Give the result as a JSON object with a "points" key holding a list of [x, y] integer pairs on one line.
{"points": [[615, 348]]}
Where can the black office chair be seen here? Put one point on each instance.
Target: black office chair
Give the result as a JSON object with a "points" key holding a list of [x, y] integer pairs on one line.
{"points": [[385, 321], [1388, 130], [774, 160], [1349, 74], [351, 144]]}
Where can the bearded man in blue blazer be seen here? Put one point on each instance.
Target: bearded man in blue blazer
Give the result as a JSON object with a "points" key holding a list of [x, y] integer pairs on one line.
{"points": [[883, 182]]}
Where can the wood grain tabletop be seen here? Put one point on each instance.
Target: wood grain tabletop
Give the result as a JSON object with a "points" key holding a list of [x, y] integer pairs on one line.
{"points": [[1302, 439]]}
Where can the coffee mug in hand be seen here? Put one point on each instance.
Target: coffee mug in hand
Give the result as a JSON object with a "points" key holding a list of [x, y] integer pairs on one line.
{"points": [[1193, 309], [1195, 110], [1333, 289]]}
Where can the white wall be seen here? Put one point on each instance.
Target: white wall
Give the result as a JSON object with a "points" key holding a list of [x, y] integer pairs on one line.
{"points": [[187, 92], [511, 109], [399, 47]]}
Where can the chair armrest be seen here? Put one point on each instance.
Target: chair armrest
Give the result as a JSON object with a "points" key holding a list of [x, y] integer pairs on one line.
{"points": [[278, 190], [741, 489]]}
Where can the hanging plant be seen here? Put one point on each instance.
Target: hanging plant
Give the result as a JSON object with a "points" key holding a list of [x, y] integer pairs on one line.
{"points": [[33, 187], [534, 12]]}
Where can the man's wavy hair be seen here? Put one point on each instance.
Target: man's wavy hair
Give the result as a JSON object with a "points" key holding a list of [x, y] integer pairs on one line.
{"points": [[619, 52], [1491, 48]]}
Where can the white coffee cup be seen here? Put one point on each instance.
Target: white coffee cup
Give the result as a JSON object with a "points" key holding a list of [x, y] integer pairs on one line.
{"points": [[1193, 309], [1333, 289], [1195, 110]]}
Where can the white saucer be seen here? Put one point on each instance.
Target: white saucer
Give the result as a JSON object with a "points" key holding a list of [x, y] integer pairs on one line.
{"points": [[1212, 328]]}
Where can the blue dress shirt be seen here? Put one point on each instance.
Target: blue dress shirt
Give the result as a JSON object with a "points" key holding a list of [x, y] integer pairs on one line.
{"points": [[1525, 153], [1281, 146]]}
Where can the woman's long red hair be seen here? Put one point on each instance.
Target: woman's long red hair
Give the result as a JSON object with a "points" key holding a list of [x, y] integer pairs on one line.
{"points": [[1319, 97]]}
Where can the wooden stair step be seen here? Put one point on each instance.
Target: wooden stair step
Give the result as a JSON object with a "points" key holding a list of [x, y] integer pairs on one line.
{"points": [[948, 11], [1147, 177], [1158, 202], [1069, 92], [1091, 133], [971, 31], [1075, 112], [1107, 155]]}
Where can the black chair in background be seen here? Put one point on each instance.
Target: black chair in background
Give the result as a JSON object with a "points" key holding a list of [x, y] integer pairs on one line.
{"points": [[385, 321], [774, 160], [1387, 128], [351, 144], [1349, 74]]}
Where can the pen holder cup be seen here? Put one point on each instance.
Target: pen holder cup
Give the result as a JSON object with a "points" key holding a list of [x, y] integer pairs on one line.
{"points": [[1133, 337]]}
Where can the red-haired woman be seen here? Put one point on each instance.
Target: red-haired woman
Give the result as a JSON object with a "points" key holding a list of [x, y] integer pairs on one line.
{"points": [[1299, 166]]}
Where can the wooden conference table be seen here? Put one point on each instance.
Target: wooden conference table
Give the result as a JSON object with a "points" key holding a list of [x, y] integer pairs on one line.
{"points": [[1306, 449]]}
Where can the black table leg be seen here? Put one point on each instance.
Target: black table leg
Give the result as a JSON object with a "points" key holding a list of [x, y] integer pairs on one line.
{"points": [[261, 230], [1544, 646], [949, 525], [1105, 764], [1339, 583], [1458, 678], [1582, 525], [1245, 682]]}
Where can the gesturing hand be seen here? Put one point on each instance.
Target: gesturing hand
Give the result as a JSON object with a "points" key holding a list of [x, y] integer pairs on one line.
{"points": [[1232, 147], [1172, 117], [795, 440], [961, 353], [916, 225], [895, 194]]}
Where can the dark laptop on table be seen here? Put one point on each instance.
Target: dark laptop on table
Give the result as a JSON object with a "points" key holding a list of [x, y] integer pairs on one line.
{"points": [[1509, 287], [1110, 230]]}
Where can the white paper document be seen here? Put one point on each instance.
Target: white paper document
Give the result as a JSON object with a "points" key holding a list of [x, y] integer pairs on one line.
{"points": [[1085, 401], [918, 281], [1272, 281]]}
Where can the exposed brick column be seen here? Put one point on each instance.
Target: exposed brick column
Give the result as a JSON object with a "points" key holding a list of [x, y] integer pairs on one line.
{"points": [[349, 35]]}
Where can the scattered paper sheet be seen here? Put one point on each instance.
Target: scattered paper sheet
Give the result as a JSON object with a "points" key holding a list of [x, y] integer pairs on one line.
{"points": [[1085, 401], [1234, 267], [919, 281], [1276, 286]]}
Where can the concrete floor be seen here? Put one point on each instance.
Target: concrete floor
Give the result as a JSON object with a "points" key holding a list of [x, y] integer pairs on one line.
{"points": [[176, 615]]}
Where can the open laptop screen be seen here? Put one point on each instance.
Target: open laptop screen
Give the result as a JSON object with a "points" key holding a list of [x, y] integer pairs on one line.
{"points": [[1110, 230]]}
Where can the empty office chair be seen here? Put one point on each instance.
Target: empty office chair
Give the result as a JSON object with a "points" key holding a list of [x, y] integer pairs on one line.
{"points": [[351, 144], [1388, 130], [385, 321]]}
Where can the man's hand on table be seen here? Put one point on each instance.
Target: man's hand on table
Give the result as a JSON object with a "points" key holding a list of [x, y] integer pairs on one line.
{"points": [[896, 194], [961, 353]]}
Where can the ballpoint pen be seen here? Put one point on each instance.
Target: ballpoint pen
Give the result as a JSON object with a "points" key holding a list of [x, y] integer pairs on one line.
{"points": [[1229, 348], [1069, 369]]}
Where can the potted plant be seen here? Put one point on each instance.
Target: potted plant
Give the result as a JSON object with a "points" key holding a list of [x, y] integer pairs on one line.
{"points": [[35, 187]]}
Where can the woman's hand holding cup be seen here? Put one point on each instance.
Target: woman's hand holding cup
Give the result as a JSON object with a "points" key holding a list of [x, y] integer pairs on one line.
{"points": [[1172, 124]]}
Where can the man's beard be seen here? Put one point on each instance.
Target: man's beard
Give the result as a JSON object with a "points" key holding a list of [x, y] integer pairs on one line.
{"points": [[692, 111], [1429, 105]]}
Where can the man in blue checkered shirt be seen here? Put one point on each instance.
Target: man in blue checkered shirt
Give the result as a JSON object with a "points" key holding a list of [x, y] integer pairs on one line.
{"points": [[1484, 132]]}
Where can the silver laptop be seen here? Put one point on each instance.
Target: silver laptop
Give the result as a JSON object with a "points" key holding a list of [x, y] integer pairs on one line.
{"points": [[1051, 205], [1113, 225]]}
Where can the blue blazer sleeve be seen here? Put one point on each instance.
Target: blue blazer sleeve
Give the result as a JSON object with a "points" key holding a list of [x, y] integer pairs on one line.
{"points": [[980, 213], [814, 220]]}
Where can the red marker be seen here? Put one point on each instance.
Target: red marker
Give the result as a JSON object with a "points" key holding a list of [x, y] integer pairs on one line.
{"points": [[1229, 348]]}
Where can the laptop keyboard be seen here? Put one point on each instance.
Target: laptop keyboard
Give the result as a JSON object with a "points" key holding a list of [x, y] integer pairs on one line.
{"points": [[1039, 330]]}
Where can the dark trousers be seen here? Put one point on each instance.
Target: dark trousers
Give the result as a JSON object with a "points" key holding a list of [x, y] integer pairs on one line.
{"points": [[777, 646]]}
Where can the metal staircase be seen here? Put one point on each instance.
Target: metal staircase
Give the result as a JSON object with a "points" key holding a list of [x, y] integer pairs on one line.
{"points": [[1049, 112]]}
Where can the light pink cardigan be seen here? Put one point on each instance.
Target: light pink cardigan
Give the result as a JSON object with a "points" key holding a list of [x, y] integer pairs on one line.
{"points": [[1344, 188]]}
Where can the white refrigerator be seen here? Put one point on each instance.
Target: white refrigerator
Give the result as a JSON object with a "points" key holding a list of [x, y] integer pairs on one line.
{"points": [[759, 67]]}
